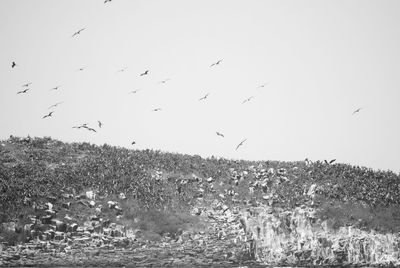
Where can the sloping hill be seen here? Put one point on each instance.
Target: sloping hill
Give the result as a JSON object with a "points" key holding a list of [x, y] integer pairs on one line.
{"points": [[53, 189]]}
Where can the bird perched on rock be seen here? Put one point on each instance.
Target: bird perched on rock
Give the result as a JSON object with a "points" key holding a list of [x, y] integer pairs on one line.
{"points": [[145, 73], [220, 134], [241, 143], [216, 63], [48, 115], [13, 64], [205, 97], [248, 99], [23, 91], [357, 111], [78, 32]]}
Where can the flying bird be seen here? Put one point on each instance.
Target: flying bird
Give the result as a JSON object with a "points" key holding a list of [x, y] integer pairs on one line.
{"points": [[55, 105], [106, 1], [216, 63], [205, 97], [23, 91], [220, 134], [133, 142], [48, 115], [241, 143], [27, 85], [145, 73], [357, 111], [78, 32], [164, 81], [81, 69], [330, 162], [133, 91], [55, 88], [157, 109], [246, 100], [122, 70], [263, 85], [81, 126], [90, 129], [100, 124], [13, 64]]}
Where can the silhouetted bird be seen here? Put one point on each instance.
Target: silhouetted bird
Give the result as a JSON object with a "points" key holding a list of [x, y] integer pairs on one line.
{"points": [[357, 111], [90, 129], [216, 63], [48, 115], [246, 100], [145, 73], [134, 91], [78, 32], [55, 105], [82, 68], [100, 124], [27, 85], [220, 134], [157, 109], [13, 64], [330, 162], [133, 142], [107, 1], [81, 126], [164, 81], [55, 88], [263, 85], [241, 143], [23, 91], [205, 97]]}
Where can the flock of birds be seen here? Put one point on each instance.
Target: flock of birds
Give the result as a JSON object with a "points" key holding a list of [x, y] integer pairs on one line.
{"points": [[146, 72]]}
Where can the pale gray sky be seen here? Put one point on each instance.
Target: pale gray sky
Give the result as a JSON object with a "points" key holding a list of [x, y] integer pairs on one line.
{"points": [[323, 60]]}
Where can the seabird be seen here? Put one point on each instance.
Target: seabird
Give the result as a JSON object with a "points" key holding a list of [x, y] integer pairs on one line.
{"points": [[145, 73], [48, 115], [357, 111], [100, 124], [241, 143], [246, 100], [13, 64], [220, 134], [55, 105], [205, 97], [23, 91], [78, 32], [216, 63], [27, 85]]}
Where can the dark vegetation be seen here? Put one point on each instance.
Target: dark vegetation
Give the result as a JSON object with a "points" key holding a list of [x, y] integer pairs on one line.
{"points": [[33, 169]]}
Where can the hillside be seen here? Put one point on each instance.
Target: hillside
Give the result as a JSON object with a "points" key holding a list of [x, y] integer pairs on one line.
{"points": [[160, 193]]}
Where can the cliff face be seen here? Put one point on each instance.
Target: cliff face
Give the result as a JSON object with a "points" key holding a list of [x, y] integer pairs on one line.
{"points": [[298, 237]]}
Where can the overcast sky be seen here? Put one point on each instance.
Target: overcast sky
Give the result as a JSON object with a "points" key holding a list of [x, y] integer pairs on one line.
{"points": [[322, 60]]}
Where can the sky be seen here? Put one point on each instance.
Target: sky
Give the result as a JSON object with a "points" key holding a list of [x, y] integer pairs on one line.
{"points": [[320, 61]]}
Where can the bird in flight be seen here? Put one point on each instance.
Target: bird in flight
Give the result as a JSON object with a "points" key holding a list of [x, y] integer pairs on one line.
{"points": [[330, 162], [220, 134], [122, 70], [48, 115], [357, 111], [145, 73], [81, 126], [13, 64], [55, 88], [133, 142], [164, 81], [27, 85], [157, 109], [248, 99], [241, 143], [78, 32], [81, 69], [205, 97], [23, 91], [55, 105], [134, 91], [100, 124], [216, 63], [106, 1], [263, 85], [90, 129]]}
